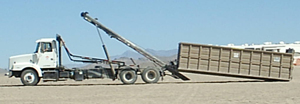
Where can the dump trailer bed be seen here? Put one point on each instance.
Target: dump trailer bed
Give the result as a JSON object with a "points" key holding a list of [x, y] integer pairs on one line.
{"points": [[244, 63]]}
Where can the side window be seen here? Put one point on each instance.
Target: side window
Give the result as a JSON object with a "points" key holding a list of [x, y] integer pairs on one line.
{"points": [[37, 47], [46, 47]]}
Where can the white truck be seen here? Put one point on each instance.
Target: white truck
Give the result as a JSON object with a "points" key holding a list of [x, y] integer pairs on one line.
{"points": [[45, 63]]}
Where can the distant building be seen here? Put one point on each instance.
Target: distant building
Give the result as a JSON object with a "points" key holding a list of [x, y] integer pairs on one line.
{"points": [[277, 47]]}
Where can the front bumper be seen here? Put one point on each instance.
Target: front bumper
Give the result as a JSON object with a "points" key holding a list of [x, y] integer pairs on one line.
{"points": [[9, 74]]}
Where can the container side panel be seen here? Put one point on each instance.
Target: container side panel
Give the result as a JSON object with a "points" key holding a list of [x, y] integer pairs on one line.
{"points": [[235, 62]]}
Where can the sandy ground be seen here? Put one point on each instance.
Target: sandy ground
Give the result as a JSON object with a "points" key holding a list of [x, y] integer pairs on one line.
{"points": [[202, 89]]}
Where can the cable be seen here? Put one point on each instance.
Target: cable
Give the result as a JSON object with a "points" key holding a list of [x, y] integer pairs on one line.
{"points": [[107, 56], [100, 35]]}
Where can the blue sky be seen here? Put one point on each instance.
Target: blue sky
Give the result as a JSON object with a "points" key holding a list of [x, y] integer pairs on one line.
{"points": [[155, 24]]}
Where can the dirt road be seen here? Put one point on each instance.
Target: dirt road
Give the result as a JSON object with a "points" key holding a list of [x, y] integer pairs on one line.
{"points": [[201, 90]]}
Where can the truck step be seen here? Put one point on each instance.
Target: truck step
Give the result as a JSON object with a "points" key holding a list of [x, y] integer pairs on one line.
{"points": [[50, 75]]}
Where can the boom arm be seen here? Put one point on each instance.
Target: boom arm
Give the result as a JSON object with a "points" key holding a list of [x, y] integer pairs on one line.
{"points": [[123, 40]]}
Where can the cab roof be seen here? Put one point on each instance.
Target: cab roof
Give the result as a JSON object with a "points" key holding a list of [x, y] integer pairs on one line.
{"points": [[45, 40]]}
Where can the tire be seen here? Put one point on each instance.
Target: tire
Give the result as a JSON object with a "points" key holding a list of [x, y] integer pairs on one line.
{"points": [[128, 76], [150, 75], [29, 78]]}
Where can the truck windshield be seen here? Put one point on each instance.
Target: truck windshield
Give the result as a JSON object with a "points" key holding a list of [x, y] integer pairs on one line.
{"points": [[37, 48]]}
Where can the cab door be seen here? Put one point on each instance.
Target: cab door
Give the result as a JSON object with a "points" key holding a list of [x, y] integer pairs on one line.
{"points": [[47, 55]]}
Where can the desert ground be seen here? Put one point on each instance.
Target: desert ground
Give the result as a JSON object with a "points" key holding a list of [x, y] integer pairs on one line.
{"points": [[202, 89]]}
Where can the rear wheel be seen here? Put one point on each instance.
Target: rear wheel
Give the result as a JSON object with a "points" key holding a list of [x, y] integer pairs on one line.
{"points": [[128, 76], [150, 75], [29, 77]]}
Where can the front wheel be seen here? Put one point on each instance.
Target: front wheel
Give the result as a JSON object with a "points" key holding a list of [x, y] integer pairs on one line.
{"points": [[29, 78], [150, 75], [128, 76]]}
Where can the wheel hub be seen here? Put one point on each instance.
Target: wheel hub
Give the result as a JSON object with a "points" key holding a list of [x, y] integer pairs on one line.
{"points": [[150, 75], [128, 76], [29, 77]]}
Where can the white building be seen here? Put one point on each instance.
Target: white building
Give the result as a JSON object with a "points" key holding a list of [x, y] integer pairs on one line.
{"points": [[277, 47]]}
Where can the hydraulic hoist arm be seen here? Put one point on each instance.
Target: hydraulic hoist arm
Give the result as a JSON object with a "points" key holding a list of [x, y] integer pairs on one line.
{"points": [[164, 66], [123, 40]]}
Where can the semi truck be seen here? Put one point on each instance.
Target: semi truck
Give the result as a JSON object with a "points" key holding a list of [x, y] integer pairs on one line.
{"points": [[46, 62]]}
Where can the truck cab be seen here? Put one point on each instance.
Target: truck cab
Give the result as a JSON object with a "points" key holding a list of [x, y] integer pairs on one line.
{"points": [[44, 57], [46, 53]]}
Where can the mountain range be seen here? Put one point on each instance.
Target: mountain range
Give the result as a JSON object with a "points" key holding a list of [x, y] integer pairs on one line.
{"points": [[164, 55], [135, 55]]}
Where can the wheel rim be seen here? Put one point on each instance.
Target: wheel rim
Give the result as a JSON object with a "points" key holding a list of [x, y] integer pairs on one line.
{"points": [[128, 76], [150, 75], [29, 77]]}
